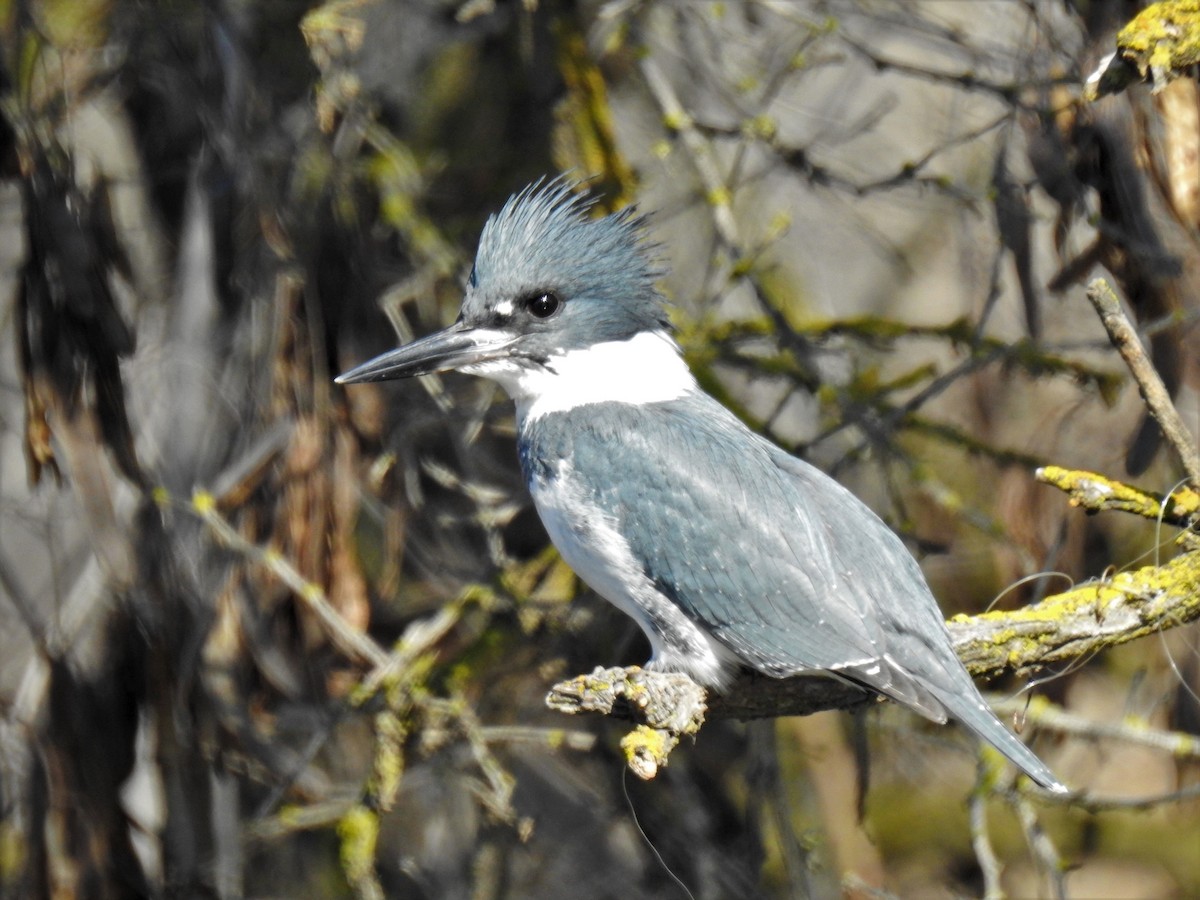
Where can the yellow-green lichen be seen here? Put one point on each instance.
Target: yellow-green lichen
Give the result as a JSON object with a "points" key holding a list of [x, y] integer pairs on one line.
{"points": [[634, 690], [13, 853], [1098, 614], [676, 121], [388, 764], [646, 750], [584, 136], [203, 502], [993, 767], [1162, 43], [762, 127], [1163, 38], [719, 196], [358, 831]]}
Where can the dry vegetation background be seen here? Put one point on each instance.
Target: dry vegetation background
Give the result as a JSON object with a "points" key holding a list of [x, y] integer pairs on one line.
{"points": [[261, 636]]}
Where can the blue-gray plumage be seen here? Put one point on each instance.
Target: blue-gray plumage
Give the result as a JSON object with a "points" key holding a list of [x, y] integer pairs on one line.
{"points": [[727, 551]]}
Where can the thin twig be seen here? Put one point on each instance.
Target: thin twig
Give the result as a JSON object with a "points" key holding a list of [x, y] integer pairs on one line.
{"points": [[1124, 337], [1094, 804], [308, 817], [677, 119], [1044, 714], [547, 737], [1040, 845], [981, 843], [351, 641], [496, 791], [418, 638]]}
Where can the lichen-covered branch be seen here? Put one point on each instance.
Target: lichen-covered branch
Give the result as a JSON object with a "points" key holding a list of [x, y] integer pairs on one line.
{"points": [[1161, 43], [1063, 627], [1089, 618], [1098, 493]]}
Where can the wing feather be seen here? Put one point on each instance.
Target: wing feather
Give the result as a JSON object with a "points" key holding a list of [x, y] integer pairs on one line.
{"points": [[783, 565]]}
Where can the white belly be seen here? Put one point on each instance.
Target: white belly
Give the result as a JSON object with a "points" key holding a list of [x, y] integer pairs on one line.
{"points": [[591, 544]]}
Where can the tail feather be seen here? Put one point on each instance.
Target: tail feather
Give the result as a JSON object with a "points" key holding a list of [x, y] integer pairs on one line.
{"points": [[953, 695], [974, 714]]}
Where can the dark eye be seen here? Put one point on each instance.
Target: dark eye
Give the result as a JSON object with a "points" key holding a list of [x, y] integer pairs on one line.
{"points": [[543, 306]]}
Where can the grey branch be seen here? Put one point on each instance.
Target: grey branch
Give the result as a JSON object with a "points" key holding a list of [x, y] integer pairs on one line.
{"points": [[1124, 337]]}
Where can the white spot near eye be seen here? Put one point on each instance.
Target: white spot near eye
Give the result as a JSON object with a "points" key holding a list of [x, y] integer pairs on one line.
{"points": [[504, 308]]}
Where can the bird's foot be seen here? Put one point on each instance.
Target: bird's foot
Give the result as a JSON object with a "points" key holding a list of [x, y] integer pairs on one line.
{"points": [[667, 705]]}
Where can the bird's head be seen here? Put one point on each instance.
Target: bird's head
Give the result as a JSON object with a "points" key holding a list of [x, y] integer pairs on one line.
{"points": [[549, 281]]}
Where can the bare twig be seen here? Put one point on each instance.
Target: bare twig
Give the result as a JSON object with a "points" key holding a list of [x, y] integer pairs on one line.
{"points": [[981, 843], [1044, 714], [419, 637], [1095, 804], [291, 819], [552, 738], [678, 120], [1040, 845], [350, 641], [1124, 337], [495, 791]]}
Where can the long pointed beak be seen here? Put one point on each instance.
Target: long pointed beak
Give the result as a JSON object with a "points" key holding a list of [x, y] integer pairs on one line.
{"points": [[452, 348]]}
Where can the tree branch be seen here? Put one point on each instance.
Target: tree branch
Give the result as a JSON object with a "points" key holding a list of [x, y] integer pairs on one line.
{"points": [[1124, 337], [1063, 627], [1098, 493]]}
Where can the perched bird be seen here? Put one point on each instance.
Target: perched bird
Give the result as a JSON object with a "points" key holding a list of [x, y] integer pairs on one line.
{"points": [[727, 551]]}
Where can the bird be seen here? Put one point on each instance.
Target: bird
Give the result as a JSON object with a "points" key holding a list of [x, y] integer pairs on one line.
{"points": [[728, 552]]}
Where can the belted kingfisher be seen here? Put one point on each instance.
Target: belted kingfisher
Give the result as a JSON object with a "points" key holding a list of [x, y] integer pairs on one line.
{"points": [[727, 551]]}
